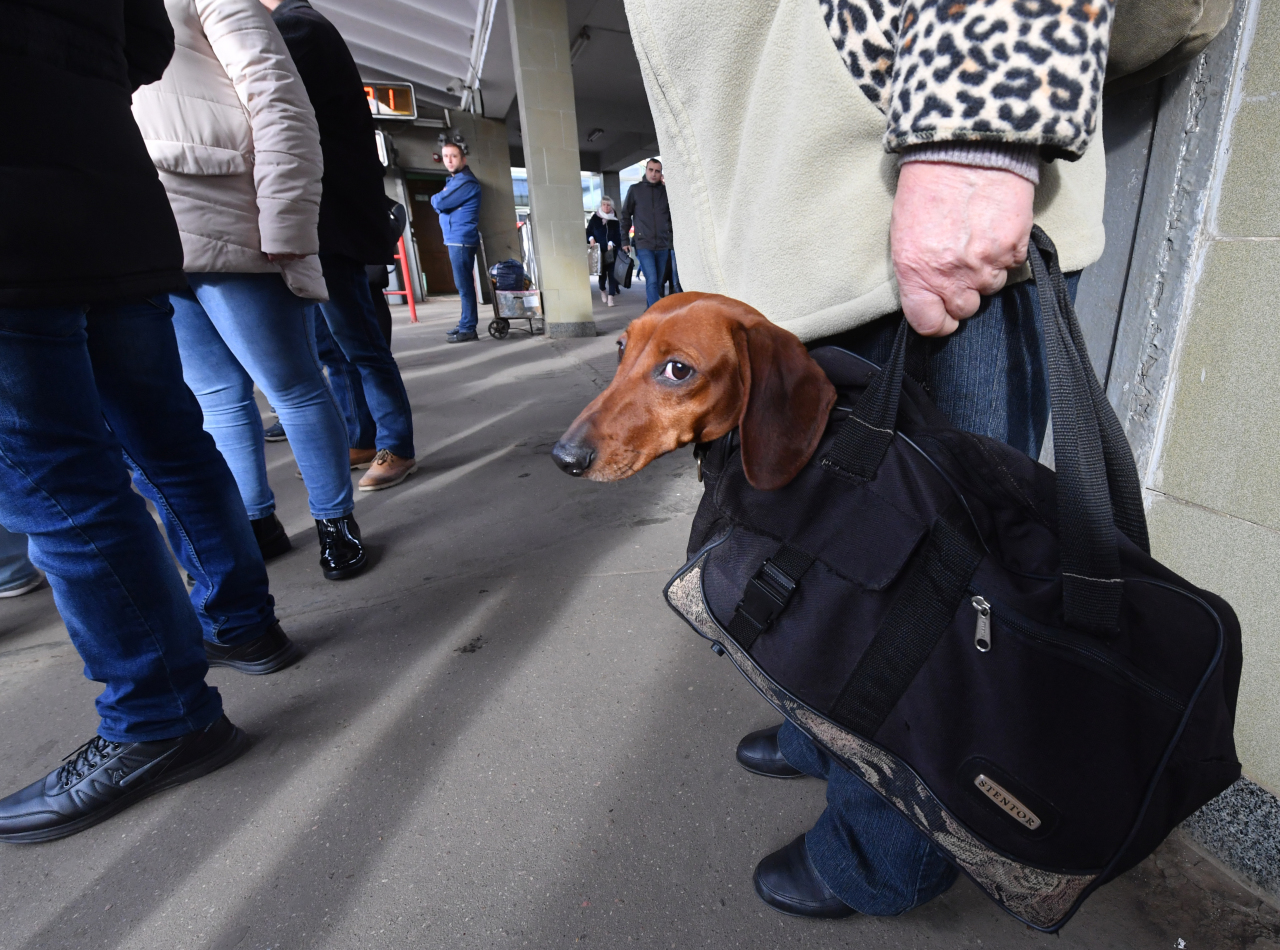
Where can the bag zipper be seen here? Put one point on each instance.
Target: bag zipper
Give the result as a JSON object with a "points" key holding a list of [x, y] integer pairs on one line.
{"points": [[983, 642]]}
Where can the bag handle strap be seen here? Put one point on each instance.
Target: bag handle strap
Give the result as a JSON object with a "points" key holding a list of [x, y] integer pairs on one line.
{"points": [[1098, 487]]}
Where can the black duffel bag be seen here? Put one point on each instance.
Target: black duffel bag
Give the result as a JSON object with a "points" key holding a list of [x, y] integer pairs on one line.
{"points": [[990, 647]]}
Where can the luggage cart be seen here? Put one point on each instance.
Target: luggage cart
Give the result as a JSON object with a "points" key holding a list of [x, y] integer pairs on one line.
{"points": [[511, 305]]}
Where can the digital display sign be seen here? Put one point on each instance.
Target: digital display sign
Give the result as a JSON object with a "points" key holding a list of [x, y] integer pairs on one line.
{"points": [[391, 100]]}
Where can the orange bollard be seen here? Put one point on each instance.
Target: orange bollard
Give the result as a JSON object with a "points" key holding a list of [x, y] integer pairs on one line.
{"points": [[407, 293]]}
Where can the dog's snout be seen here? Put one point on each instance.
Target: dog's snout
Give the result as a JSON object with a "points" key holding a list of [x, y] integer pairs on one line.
{"points": [[573, 457]]}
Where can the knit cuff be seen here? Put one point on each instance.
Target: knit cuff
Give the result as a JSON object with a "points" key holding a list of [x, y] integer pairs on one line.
{"points": [[1022, 160]]}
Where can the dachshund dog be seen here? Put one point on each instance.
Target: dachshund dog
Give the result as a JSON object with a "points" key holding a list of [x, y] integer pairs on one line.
{"points": [[692, 368]]}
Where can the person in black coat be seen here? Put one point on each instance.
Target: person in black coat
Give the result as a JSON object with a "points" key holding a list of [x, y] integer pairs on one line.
{"points": [[90, 377], [353, 232], [603, 229]]}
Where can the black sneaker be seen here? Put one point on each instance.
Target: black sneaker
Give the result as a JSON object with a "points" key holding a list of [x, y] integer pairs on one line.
{"points": [[102, 778], [272, 540], [461, 336], [265, 654], [275, 432], [341, 553]]}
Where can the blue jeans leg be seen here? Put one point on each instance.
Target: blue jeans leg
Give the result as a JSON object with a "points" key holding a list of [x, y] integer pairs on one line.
{"points": [[463, 260], [989, 377], [178, 467], [63, 482], [354, 324], [654, 265], [235, 329], [870, 856], [344, 380], [16, 569]]}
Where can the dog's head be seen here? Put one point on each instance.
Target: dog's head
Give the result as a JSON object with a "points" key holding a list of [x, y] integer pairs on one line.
{"points": [[693, 368]]}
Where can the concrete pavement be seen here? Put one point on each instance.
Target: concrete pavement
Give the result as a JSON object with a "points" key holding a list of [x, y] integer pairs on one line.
{"points": [[500, 735]]}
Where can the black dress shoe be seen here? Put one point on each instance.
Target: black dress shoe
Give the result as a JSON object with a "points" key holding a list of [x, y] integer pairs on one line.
{"points": [[787, 882], [103, 778], [759, 753], [265, 654], [461, 336], [272, 540], [341, 553]]}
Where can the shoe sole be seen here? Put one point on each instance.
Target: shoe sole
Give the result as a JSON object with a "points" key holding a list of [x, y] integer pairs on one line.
{"points": [[288, 656], [275, 438], [24, 589], [382, 485], [764, 896], [351, 570], [235, 746], [769, 774]]}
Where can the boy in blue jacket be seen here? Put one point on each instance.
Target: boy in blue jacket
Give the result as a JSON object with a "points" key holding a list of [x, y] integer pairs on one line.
{"points": [[459, 208]]}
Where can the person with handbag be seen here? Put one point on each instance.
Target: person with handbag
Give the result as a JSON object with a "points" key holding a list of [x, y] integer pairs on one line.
{"points": [[603, 231], [647, 209], [979, 152]]}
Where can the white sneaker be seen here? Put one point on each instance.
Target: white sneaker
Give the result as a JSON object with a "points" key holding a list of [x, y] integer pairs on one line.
{"points": [[26, 588], [603, 297], [610, 301]]}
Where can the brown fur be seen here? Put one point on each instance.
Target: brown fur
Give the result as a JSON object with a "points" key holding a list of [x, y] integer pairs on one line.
{"points": [[747, 374]]}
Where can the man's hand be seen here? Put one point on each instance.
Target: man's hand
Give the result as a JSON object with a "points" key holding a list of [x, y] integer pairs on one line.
{"points": [[627, 248], [956, 231]]}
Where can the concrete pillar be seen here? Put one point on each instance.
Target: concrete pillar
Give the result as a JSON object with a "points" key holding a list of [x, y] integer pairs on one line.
{"points": [[611, 187], [489, 158], [549, 123]]}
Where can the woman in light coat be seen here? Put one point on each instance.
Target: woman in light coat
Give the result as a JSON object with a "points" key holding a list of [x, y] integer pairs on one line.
{"points": [[234, 137]]}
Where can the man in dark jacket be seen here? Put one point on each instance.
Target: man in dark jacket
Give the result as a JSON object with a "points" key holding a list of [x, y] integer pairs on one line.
{"points": [[459, 208], [89, 339], [353, 233], [647, 209]]}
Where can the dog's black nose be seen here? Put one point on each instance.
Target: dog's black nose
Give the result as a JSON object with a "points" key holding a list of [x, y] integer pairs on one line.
{"points": [[573, 457]]}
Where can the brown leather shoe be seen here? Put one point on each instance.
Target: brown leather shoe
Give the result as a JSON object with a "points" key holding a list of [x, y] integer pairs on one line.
{"points": [[388, 469], [363, 458]]}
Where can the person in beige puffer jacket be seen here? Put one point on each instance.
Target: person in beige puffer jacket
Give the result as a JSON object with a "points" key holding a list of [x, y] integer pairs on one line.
{"points": [[232, 133]]}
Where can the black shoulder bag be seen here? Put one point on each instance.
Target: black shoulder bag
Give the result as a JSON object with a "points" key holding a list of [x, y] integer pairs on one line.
{"points": [[988, 645]]}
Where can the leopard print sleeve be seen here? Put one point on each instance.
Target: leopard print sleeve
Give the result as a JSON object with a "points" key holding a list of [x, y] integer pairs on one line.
{"points": [[1020, 71]]}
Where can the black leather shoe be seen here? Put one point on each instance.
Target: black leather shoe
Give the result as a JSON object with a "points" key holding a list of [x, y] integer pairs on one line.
{"points": [[787, 882], [759, 753], [272, 540], [341, 553], [461, 336], [265, 654], [103, 778]]}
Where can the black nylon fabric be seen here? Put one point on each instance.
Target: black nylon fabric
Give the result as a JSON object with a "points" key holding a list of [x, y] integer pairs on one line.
{"points": [[1112, 730]]}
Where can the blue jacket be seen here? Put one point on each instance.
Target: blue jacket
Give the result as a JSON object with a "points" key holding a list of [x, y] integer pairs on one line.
{"points": [[459, 208]]}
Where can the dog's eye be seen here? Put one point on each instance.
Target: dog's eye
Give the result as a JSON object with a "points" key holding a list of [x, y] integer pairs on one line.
{"points": [[677, 371], [622, 348]]}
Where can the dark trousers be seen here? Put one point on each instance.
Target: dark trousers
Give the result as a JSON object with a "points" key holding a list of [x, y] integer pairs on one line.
{"points": [[86, 394], [363, 373], [989, 377]]}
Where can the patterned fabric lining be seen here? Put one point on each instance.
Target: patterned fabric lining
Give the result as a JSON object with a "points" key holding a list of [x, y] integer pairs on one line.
{"points": [[1041, 898]]}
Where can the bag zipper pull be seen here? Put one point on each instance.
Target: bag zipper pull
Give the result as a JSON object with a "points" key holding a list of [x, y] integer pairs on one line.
{"points": [[982, 632]]}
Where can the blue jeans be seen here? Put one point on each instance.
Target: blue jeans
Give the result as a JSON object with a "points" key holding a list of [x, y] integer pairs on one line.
{"points": [[235, 329], [989, 377], [653, 264], [363, 373], [463, 260], [83, 393], [16, 569]]}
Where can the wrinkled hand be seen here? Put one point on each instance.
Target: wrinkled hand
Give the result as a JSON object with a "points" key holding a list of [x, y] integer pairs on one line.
{"points": [[280, 258], [956, 231], [591, 240]]}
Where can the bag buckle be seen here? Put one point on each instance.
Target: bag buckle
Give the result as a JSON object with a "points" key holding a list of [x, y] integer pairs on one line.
{"points": [[766, 595]]}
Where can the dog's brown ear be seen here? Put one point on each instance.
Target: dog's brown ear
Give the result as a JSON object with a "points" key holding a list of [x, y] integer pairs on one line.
{"points": [[788, 399]]}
